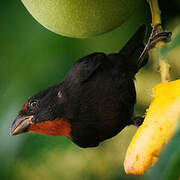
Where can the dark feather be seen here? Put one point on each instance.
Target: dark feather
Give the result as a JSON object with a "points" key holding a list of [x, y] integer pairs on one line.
{"points": [[97, 96]]}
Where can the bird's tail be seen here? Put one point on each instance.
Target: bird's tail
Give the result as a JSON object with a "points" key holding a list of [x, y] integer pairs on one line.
{"points": [[133, 49]]}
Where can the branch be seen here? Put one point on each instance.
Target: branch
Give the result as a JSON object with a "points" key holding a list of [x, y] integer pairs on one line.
{"points": [[156, 19]]}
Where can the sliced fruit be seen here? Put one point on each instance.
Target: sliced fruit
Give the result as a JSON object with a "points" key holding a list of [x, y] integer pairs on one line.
{"points": [[158, 127]]}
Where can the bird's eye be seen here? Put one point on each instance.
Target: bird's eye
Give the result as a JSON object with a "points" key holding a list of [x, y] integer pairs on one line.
{"points": [[60, 94], [33, 104]]}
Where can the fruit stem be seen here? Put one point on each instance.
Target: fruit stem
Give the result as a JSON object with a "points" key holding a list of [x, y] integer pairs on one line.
{"points": [[155, 11], [156, 19]]}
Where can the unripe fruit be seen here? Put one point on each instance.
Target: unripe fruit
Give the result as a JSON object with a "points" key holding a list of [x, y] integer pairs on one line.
{"points": [[81, 18]]}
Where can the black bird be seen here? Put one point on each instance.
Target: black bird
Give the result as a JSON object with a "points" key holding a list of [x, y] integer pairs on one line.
{"points": [[96, 99]]}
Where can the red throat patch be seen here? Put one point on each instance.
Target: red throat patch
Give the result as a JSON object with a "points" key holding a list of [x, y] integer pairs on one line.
{"points": [[24, 107], [57, 127]]}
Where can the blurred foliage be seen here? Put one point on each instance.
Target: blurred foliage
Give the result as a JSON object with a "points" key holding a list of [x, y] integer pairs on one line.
{"points": [[33, 58]]}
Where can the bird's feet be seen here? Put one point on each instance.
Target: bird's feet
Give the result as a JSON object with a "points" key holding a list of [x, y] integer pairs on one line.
{"points": [[156, 36], [137, 121]]}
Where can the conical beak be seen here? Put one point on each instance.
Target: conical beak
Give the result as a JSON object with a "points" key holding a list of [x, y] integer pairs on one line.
{"points": [[20, 124]]}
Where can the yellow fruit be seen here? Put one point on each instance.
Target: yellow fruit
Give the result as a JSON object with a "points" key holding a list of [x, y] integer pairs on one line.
{"points": [[157, 128], [81, 18]]}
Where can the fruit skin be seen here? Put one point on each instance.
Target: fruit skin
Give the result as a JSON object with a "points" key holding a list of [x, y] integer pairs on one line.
{"points": [[158, 127], [82, 18]]}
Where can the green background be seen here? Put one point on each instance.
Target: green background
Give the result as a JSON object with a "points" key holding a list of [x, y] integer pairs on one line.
{"points": [[33, 58]]}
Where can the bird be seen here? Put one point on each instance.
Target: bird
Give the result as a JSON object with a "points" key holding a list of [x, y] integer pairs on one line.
{"points": [[96, 99]]}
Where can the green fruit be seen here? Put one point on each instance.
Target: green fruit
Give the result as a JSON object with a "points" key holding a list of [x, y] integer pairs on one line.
{"points": [[81, 18]]}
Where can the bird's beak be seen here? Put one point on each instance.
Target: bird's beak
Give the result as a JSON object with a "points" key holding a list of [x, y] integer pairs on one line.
{"points": [[20, 124]]}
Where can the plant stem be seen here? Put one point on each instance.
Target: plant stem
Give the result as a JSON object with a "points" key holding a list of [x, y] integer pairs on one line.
{"points": [[164, 69], [155, 11], [156, 19]]}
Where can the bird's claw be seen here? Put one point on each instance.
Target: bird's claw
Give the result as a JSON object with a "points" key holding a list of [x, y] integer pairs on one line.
{"points": [[137, 121], [157, 36]]}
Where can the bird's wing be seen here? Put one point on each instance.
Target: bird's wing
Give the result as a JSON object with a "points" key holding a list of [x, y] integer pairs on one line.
{"points": [[85, 67]]}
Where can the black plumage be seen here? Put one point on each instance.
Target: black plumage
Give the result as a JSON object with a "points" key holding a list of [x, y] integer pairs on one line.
{"points": [[97, 96]]}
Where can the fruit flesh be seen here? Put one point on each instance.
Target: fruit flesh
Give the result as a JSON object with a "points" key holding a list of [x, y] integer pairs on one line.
{"points": [[158, 127]]}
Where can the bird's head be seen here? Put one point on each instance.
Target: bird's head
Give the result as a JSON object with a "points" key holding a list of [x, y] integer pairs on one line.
{"points": [[43, 113]]}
